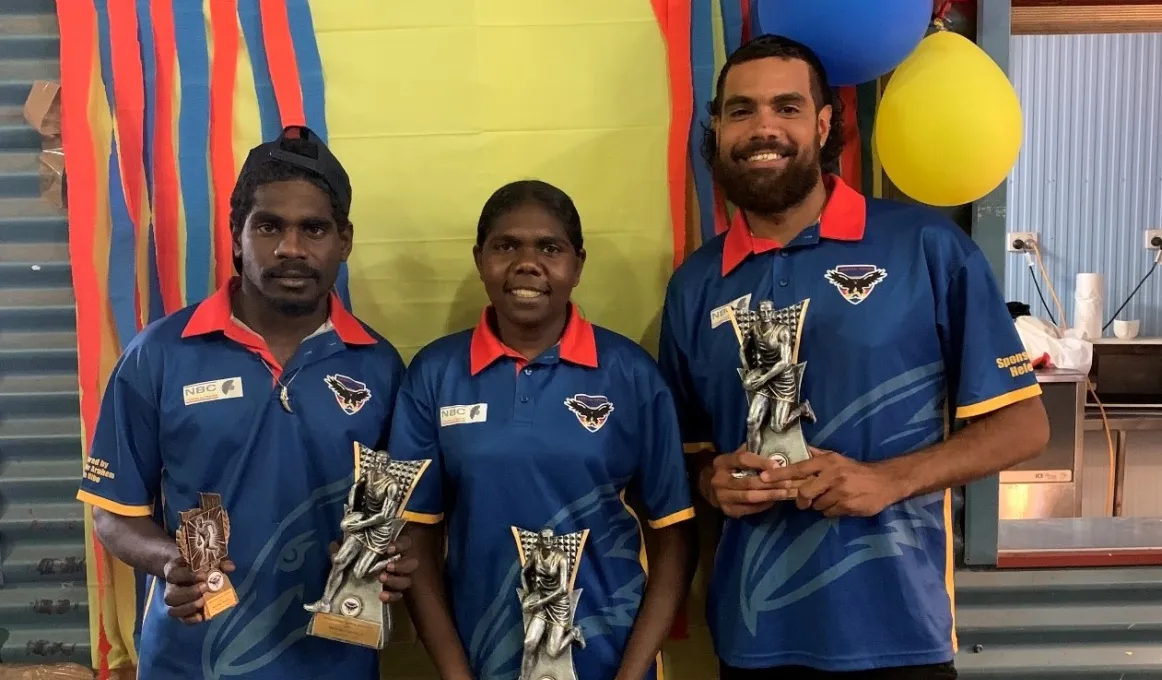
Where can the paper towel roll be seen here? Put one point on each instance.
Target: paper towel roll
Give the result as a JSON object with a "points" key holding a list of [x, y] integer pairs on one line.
{"points": [[1088, 285], [1087, 305]]}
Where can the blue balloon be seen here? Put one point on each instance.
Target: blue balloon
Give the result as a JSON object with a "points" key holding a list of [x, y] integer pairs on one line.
{"points": [[857, 40]]}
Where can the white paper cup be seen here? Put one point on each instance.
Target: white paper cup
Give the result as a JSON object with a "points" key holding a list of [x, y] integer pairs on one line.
{"points": [[1126, 330]]}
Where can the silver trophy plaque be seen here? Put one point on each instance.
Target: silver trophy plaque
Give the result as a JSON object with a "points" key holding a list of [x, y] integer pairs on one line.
{"points": [[350, 609], [548, 602], [772, 377]]}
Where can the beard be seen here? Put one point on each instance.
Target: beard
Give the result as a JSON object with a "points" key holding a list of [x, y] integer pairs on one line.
{"points": [[283, 304], [767, 191], [293, 308]]}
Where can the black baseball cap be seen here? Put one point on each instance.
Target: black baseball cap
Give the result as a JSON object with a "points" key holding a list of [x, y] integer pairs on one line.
{"points": [[313, 157]]}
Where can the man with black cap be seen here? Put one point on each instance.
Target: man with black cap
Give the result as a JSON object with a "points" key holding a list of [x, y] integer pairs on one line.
{"points": [[257, 394]]}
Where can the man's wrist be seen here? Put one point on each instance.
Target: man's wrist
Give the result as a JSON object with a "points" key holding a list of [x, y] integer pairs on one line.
{"points": [[705, 485], [898, 473]]}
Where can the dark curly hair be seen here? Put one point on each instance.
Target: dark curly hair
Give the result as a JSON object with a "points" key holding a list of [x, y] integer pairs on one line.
{"points": [[272, 170], [778, 47]]}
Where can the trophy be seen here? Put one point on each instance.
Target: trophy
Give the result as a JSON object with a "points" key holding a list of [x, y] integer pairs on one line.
{"points": [[772, 377], [350, 609], [203, 536], [548, 602]]}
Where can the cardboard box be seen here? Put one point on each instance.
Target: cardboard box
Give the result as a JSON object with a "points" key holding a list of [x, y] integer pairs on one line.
{"points": [[52, 177], [53, 671], [42, 110]]}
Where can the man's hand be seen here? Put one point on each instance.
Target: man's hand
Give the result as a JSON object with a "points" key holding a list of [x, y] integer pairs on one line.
{"points": [[835, 485], [396, 577], [738, 497], [184, 590]]}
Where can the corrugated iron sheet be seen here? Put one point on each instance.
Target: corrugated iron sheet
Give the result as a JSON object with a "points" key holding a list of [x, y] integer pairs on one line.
{"points": [[1089, 178], [1079, 624], [43, 599]]}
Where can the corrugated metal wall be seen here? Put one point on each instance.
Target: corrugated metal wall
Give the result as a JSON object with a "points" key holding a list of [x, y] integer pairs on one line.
{"points": [[43, 601], [1080, 624], [1089, 178]]}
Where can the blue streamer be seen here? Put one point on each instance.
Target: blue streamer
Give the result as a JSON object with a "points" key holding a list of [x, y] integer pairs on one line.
{"points": [[731, 25], [310, 63], [149, 72], [193, 135], [250, 17], [702, 71], [121, 276]]}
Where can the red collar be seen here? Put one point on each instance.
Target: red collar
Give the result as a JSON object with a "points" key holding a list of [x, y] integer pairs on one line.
{"points": [[214, 315], [578, 345], [843, 219]]}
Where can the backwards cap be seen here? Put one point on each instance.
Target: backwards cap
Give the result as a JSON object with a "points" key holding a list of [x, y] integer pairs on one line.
{"points": [[313, 157]]}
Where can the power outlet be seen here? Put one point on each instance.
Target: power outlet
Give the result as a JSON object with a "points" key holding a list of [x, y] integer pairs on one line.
{"points": [[1152, 234], [1025, 237]]}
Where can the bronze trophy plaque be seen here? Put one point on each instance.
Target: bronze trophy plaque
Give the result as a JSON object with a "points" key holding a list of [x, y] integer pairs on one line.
{"points": [[203, 538]]}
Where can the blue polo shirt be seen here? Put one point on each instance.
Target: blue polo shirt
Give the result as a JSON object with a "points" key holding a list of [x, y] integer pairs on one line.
{"points": [[555, 442], [903, 325], [193, 406]]}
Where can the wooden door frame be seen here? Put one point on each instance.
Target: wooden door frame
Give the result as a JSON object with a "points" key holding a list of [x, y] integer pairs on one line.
{"points": [[1057, 17]]}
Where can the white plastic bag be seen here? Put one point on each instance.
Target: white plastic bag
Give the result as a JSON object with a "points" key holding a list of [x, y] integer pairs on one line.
{"points": [[1048, 347]]}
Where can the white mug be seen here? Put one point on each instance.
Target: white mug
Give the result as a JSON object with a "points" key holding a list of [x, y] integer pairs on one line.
{"points": [[1126, 330]]}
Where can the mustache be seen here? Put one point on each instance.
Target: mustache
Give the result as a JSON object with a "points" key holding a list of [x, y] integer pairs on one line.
{"points": [[290, 269], [764, 145]]}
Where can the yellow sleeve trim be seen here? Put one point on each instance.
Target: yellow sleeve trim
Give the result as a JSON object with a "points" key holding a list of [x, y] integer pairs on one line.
{"points": [[113, 506], [996, 403], [422, 517], [672, 518], [697, 447]]}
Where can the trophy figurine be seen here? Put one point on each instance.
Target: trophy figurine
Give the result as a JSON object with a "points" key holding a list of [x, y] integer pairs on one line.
{"points": [[203, 538], [772, 377], [350, 609], [548, 602]]}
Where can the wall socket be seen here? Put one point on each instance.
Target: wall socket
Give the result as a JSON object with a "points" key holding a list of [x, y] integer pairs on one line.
{"points": [[1152, 234], [1026, 236]]}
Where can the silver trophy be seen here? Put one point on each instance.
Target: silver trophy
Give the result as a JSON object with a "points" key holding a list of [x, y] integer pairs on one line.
{"points": [[350, 609], [772, 377], [548, 602]]}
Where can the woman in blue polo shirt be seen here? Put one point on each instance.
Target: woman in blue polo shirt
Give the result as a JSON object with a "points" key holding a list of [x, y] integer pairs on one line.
{"points": [[542, 429]]}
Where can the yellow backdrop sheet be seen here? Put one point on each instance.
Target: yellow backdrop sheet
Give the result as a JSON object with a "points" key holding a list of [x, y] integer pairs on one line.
{"points": [[432, 106]]}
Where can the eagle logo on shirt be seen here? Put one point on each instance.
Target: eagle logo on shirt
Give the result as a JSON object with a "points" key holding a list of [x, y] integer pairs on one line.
{"points": [[591, 411], [855, 282], [349, 392]]}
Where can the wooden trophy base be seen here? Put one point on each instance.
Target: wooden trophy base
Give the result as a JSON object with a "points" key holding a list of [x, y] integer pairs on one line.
{"points": [[220, 595]]}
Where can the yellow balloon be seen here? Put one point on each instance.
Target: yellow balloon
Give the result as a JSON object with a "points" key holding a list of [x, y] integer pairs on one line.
{"points": [[948, 126]]}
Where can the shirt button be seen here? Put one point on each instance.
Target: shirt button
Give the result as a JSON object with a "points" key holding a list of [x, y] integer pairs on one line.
{"points": [[528, 371], [783, 253], [524, 400], [783, 283]]}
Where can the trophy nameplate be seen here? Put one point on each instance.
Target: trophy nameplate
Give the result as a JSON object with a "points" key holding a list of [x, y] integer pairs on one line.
{"points": [[772, 377], [203, 538], [549, 565], [350, 610]]}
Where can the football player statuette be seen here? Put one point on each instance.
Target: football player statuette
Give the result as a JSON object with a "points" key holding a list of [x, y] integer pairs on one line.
{"points": [[772, 377], [350, 609], [548, 602], [203, 538]]}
